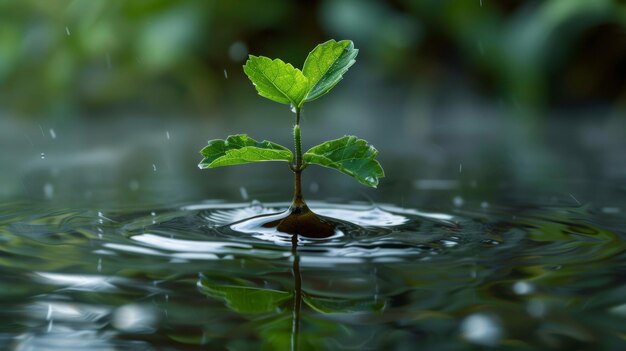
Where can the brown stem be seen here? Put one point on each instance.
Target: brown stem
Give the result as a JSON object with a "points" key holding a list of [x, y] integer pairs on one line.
{"points": [[298, 203]]}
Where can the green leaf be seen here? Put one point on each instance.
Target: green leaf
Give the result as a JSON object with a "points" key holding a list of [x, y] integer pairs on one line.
{"points": [[244, 299], [349, 155], [240, 149], [334, 305], [277, 80], [326, 64]]}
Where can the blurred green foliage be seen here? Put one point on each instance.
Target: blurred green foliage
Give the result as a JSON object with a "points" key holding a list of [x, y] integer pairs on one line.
{"points": [[65, 58]]}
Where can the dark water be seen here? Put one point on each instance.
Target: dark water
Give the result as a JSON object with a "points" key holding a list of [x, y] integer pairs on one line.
{"points": [[476, 275]]}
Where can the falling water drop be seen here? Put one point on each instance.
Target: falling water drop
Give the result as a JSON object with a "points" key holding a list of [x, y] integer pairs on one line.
{"points": [[48, 191], [154, 167], [225, 74], [460, 168], [99, 266], [575, 199], [167, 134], [43, 155], [458, 201], [256, 205], [611, 210], [67, 30], [238, 51], [243, 192], [53, 135]]}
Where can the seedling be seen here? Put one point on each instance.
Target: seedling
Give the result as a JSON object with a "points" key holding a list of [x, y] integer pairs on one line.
{"points": [[281, 82]]}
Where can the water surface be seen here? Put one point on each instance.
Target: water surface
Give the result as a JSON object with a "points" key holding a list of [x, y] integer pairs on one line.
{"points": [[466, 275]]}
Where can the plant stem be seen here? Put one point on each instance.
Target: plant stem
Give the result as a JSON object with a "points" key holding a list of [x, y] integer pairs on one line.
{"points": [[298, 201]]}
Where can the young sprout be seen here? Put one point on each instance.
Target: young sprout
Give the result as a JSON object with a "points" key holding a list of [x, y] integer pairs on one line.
{"points": [[281, 82]]}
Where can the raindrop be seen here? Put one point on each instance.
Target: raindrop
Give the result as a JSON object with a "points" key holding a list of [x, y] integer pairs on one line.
{"points": [[67, 30], [458, 201], [48, 191], [484, 204], [49, 314], [167, 134], [152, 213], [225, 74], [256, 206], [43, 155], [292, 108], [238, 51], [460, 168], [243, 192], [99, 266], [53, 135], [575, 199], [50, 326], [611, 210], [154, 167]]}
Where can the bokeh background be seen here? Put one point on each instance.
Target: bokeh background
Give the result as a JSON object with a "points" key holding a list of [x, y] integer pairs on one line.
{"points": [[109, 101]]}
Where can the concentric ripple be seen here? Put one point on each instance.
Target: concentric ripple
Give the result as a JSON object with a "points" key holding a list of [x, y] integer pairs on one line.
{"points": [[187, 277]]}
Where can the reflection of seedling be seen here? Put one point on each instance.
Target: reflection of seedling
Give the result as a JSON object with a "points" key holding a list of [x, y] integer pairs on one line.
{"points": [[281, 82]]}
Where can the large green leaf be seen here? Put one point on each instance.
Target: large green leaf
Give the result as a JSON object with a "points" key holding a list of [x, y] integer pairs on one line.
{"points": [[277, 80], [240, 149], [350, 155], [244, 299], [326, 64]]}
